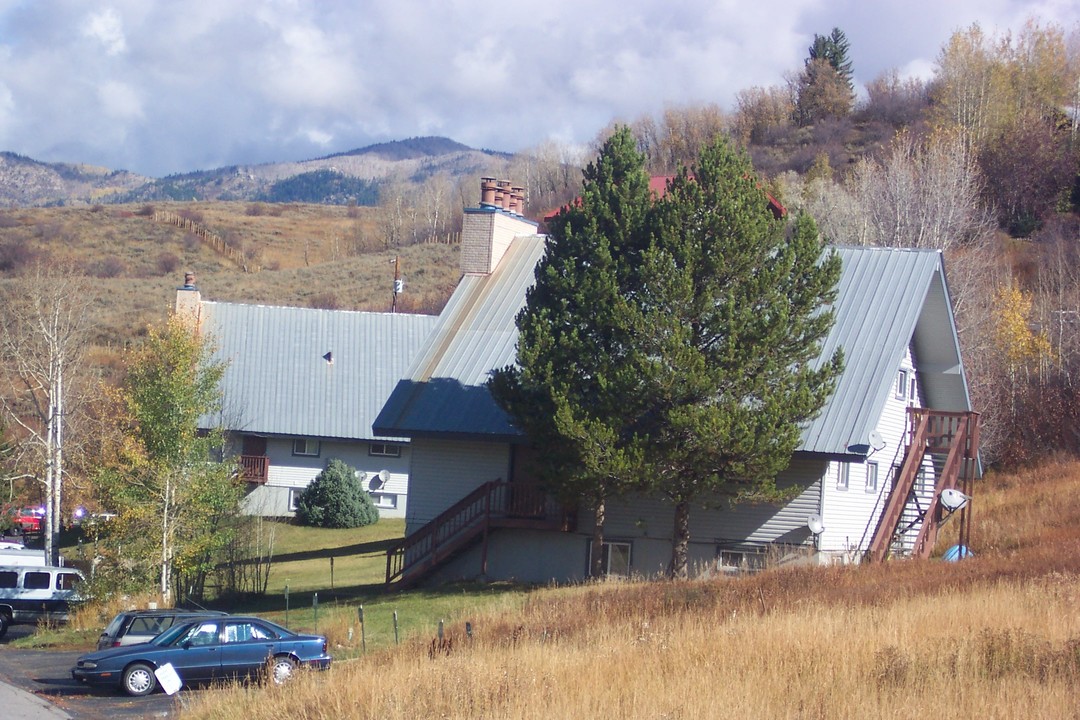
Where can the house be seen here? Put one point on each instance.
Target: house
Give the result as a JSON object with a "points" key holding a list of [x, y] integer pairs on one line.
{"points": [[868, 475], [302, 386]]}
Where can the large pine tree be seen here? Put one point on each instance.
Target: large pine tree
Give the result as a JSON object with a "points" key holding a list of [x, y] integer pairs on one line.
{"points": [[667, 343], [736, 304], [572, 388]]}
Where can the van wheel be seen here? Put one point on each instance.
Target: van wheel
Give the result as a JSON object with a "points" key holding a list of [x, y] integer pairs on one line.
{"points": [[139, 679], [5, 623]]}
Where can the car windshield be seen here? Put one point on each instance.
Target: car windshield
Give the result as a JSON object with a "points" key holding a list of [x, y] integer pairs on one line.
{"points": [[169, 636]]}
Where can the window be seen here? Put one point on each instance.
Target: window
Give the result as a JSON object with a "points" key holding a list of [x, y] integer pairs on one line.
{"points": [[732, 561], [902, 385], [294, 499], [239, 632], [8, 579], [67, 581], [843, 476], [871, 477], [205, 634], [914, 388], [384, 450], [616, 558], [306, 447], [37, 581], [386, 501]]}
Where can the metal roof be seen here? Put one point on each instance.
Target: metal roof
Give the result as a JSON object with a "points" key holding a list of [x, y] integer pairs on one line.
{"points": [[887, 299], [309, 373]]}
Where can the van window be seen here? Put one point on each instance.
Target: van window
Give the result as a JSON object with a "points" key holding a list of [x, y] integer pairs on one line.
{"points": [[36, 581], [8, 579], [67, 581]]}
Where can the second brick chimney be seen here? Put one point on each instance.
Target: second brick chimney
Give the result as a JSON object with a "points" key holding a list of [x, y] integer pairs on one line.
{"points": [[487, 231]]}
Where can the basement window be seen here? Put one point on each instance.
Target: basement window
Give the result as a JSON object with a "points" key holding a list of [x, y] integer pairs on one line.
{"points": [[733, 559], [305, 447], [616, 558], [384, 501], [294, 499]]}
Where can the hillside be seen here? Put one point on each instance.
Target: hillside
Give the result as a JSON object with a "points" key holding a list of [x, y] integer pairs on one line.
{"points": [[340, 179], [994, 636], [301, 255]]}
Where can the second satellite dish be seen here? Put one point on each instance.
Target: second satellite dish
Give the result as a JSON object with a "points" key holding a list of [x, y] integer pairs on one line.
{"points": [[953, 499], [815, 524]]}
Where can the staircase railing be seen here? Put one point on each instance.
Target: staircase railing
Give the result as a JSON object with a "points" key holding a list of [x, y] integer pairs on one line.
{"points": [[493, 504], [933, 432]]}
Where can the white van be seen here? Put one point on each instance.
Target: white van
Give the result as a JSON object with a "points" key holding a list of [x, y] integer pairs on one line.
{"points": [[29, 594], [22, 556]]}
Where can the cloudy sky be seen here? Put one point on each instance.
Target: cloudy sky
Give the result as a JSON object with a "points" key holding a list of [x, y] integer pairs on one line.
{"points": [[163, 86]]}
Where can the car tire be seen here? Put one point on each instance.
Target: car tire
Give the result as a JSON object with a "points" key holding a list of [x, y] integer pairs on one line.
{"points": [[5, 623], [280, 669], [139, 680]]}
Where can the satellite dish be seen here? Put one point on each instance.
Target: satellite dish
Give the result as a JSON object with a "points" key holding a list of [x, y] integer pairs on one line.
{"points": [[953, 499], [815, 524], [384, 475], [361, 475], [876, 441]]}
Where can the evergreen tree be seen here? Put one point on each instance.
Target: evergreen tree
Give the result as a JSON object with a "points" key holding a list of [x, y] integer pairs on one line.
{"points": [[335, 499], [668, 345], [573, 390], [825, 87], [734, 304], [834, 48]]}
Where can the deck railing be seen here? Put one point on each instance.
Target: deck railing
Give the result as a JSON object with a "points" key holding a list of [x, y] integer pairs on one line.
{"points": [[254, 468]]}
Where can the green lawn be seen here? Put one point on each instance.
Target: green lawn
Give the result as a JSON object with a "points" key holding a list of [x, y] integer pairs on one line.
{"points": [[355, 578]]}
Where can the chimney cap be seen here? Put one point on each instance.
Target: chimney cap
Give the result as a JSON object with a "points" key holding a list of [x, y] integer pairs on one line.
{"points": [[189, 281]]}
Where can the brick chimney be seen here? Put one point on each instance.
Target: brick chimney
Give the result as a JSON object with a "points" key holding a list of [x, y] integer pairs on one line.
{"points": [[189, 302], [487, 230]]}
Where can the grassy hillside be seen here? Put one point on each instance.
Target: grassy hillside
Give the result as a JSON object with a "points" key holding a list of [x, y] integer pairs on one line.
{"points": [[996, 636], [300, 255]]}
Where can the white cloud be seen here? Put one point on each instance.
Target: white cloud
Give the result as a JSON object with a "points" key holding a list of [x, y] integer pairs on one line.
{"points": [[160, 87], [120, 101], [107, 28]]}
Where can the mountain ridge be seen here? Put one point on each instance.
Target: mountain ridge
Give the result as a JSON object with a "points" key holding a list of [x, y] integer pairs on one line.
{"points": [[351, 176]]}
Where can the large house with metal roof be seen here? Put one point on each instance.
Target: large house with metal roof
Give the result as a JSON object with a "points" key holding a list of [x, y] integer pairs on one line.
{"points": [[302, 386], [870, 475]]}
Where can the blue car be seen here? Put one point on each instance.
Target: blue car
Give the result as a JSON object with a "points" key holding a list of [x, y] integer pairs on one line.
{"points": [[203, 651]]}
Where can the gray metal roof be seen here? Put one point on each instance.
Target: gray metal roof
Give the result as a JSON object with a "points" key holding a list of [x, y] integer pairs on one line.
{"points": [[887, 298], [279, 382]]}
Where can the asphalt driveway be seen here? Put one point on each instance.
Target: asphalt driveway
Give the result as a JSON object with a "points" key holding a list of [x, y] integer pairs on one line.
{"points": [[47, 675]]}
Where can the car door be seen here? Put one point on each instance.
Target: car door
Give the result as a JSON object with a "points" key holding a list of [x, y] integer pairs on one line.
{"points": [[197, 655], [246, 647]]}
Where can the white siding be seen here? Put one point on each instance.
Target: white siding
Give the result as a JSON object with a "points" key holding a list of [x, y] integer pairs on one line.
{"points": [[850, 515], [297, 471], [445, 471]]}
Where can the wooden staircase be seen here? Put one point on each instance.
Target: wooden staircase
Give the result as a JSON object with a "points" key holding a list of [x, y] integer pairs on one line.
{"points": [[948, 442], [491, 506]]}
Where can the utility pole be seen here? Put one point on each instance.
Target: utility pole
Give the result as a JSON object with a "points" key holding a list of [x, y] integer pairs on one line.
{"points": [[399, 284]]}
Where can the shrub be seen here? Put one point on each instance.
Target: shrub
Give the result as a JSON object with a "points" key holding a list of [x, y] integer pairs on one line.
{"points": [[335, 499], [167, 263]]}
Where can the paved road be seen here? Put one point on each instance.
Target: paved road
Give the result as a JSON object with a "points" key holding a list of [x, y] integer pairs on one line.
{"points": [[40, 682]]}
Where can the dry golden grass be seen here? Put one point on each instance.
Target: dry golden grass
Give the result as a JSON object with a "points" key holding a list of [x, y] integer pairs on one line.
{"points": [[306, 256], [996, 636]]}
